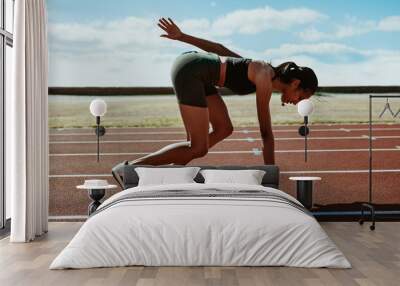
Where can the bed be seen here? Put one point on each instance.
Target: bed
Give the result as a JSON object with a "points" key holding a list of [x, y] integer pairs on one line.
{"points": [[201, 224]]}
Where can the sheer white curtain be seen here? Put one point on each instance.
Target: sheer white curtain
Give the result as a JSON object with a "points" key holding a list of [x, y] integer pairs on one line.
{"points": [[27, 124]]}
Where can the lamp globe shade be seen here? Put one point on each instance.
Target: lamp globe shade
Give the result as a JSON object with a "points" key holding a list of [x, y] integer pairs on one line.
{"points": [[98, 107], [305, 107]]}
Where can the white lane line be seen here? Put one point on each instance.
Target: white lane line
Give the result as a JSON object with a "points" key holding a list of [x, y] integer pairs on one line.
{"points": [[340, 171], [282, 172], [67, 217], [337, 150], [373, 128], [255, 151], [276, 125], [363, 137], [386, 137], [116, 141], [372, 137], [235, 131], [80, 175], [143, 153], [250, 139]]}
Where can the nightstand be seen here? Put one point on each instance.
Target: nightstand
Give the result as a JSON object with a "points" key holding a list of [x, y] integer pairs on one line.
{"points": [[304, 189], [96, 193]]}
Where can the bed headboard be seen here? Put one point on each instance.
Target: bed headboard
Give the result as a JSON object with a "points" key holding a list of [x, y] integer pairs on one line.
{"points": [[128, 178]]}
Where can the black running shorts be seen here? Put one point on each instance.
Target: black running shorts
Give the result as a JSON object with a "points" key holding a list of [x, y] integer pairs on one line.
{"points": [[194, 76]]}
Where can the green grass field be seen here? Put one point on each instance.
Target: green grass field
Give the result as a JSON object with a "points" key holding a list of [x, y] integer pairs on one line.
{"points": [[162, 110]]}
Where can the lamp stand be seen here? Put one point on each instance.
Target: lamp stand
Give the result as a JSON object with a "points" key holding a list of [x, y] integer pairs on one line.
{"points": [[305, 138], [98, 137], [100, 131]]}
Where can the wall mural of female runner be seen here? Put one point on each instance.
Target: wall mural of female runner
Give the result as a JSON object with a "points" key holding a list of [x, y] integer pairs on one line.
{"points": [[195, 76]]}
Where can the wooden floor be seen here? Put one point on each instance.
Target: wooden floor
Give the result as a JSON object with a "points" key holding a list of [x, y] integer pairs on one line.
{"points": [[375, 257]]}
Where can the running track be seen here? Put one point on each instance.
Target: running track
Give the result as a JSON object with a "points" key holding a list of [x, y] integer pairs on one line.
{"points": [[337, 153]]}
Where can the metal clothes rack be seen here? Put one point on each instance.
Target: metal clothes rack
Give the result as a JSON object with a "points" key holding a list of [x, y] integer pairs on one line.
{"points": [[370, 205]]}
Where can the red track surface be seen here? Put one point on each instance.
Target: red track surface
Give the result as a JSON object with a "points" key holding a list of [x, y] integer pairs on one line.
{"points": [[338, 154]]}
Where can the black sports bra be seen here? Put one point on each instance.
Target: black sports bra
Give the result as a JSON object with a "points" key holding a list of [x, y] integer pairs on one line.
{"points": [[236, 76]]}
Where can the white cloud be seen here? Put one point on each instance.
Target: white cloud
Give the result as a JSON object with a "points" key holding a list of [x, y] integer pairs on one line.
{"points": [[287, 50], [251, 21], [354, 27], [144, 69], [129, 52], [377, 67], [257, 20], [327, 49], [132, 34], [199, 27], [312, 34], [374, 71], [391, 23], [139, 33]]}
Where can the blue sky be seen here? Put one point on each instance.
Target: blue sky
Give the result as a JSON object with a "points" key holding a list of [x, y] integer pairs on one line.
{"points": [[117, 43]]}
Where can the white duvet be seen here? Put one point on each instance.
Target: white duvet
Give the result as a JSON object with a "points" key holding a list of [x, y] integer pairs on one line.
{"points": [[200, 231]]}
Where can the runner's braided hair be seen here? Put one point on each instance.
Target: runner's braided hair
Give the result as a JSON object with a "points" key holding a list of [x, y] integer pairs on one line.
{"points": [[288, 71]]}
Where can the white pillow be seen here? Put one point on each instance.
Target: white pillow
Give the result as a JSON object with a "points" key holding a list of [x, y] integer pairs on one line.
{"points": [[248, 177], [162, 176]]}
